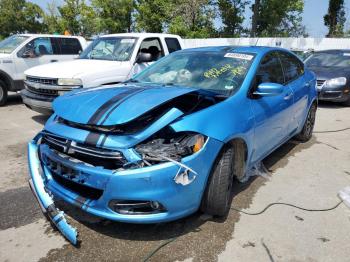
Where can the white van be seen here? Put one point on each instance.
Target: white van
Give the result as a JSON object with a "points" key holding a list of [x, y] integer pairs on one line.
{"points": [[109, 59], [23, 51]]}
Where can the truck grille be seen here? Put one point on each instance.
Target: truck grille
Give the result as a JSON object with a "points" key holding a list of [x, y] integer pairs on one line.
{"points": [[319, 82], [109, 159], [42, 91], [44, 81]]}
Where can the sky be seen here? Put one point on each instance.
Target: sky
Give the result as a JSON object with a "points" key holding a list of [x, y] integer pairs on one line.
{"points": [[314, 10]]}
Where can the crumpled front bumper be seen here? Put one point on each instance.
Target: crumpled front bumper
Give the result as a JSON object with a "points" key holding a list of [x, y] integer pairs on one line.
{"points": [[153, 183], [37, 184]]}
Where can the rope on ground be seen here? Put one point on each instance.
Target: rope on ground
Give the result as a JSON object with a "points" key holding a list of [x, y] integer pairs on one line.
{"points": [[332, 131]]}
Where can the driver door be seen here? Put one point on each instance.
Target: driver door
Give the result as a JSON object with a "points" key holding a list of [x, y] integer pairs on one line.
{"points": [[36, 52], [272, 113]]}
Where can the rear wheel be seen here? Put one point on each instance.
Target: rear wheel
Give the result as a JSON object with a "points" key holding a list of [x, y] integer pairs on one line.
{"points": [[216, 199], [306, 133], [3, 93]]}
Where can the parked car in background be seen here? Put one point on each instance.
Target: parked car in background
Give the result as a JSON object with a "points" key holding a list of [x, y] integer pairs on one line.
{"points": [[332, 68], [172, 139], [109, 59], [302, 54], [23, 51]]}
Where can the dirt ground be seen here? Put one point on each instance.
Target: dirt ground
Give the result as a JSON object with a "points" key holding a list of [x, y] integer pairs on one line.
{"points": [[308, 175]]}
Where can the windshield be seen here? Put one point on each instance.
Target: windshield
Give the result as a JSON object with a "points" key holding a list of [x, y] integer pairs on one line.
{"points": [[219, 72], [329, 60], [110, 48], [9, 44]]}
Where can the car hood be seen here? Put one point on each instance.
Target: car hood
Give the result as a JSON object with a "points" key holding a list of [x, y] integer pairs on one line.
{"points": [[3, 55], [330, 72], [73, 68], [107, 106]]}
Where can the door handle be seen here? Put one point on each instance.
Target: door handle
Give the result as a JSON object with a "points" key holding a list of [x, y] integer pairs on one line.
{"points": [[54, 60], [288, 96], [307, 84]]}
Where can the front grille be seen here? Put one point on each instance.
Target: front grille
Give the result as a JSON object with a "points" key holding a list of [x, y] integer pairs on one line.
{"points": [[330, 95], [44, 81], [319, 82], [80, 189], [109, 159], [42, 91]]}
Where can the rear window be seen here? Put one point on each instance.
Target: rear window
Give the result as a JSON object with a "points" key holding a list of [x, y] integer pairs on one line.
{"points": [[66, 46], [292, 67], [172, 44]]}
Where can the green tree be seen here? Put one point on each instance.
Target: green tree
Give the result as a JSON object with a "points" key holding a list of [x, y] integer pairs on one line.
{"points": [[114, 16], [52, 19], [335, 18], [232, 16], [153, 15], [77, 17], [278, 18], [193, 19], [19, 17]]}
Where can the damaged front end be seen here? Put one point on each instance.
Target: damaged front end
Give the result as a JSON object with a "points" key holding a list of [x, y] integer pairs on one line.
{"points": [[147, 174]]}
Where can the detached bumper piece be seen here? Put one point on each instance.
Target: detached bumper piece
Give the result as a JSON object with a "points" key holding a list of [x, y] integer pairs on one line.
{"points": [[45, 200]]}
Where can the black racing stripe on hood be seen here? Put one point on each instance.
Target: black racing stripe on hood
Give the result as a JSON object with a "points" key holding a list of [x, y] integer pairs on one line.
{"points": [[92, 138], [95, 118], [118, 103]]}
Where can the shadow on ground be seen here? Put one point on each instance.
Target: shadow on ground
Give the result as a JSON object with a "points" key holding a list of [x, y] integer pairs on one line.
{"points": [[40, 119], [197, 236], [13, 99]]}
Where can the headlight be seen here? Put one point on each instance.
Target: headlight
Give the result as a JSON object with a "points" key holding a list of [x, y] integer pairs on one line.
{"points": [[69, 82], [335, 82], [174, 147]]}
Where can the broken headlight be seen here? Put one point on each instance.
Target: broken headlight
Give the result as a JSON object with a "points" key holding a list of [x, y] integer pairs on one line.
{"points": [[174, 147]]}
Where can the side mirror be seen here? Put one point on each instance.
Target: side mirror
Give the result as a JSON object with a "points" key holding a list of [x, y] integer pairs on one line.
{"points": [[269, 89], [143, 58], [28, 53]]}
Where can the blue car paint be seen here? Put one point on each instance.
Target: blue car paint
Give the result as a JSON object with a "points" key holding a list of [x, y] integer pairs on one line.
{"points": [[263, 124], [37, 184]]}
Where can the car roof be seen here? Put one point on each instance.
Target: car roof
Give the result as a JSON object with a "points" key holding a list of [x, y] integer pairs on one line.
{"points": [[141, 35], [333, 51], [51, 35], [247, 49]]}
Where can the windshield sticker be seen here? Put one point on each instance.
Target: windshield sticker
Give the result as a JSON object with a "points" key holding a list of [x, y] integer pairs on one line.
{"points": [[346, 54], [127, 41], [239, 56], [216, 72], [228, 87]]}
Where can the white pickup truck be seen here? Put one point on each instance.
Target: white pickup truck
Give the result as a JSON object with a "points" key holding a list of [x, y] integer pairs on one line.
{"points": [[23, 51], [109, 59]]}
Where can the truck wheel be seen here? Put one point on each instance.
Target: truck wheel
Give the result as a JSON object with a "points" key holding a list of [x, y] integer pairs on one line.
{"points": [[306, 133], [216, 198], [3, 93]]}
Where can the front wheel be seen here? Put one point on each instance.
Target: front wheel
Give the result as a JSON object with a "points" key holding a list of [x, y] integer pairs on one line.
{"points": [[3, 93], [306, 133], [216, 198]]}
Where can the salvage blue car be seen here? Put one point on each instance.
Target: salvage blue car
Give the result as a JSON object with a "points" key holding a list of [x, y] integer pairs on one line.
{"points": [[171, 140]]}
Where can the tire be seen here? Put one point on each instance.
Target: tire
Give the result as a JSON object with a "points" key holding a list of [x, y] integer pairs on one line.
{"points": [[306, 133], [3, 93], [347, 102], [216, 198]]}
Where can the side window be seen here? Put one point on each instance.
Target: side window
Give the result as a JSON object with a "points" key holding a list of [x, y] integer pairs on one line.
{"points": [[172, 44], [292, 67], [69, 46], [152, 46], [270, 70], [37, 47]]}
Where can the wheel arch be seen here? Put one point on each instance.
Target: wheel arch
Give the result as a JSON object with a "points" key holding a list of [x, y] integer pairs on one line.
{"points": [[7, 79]]}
